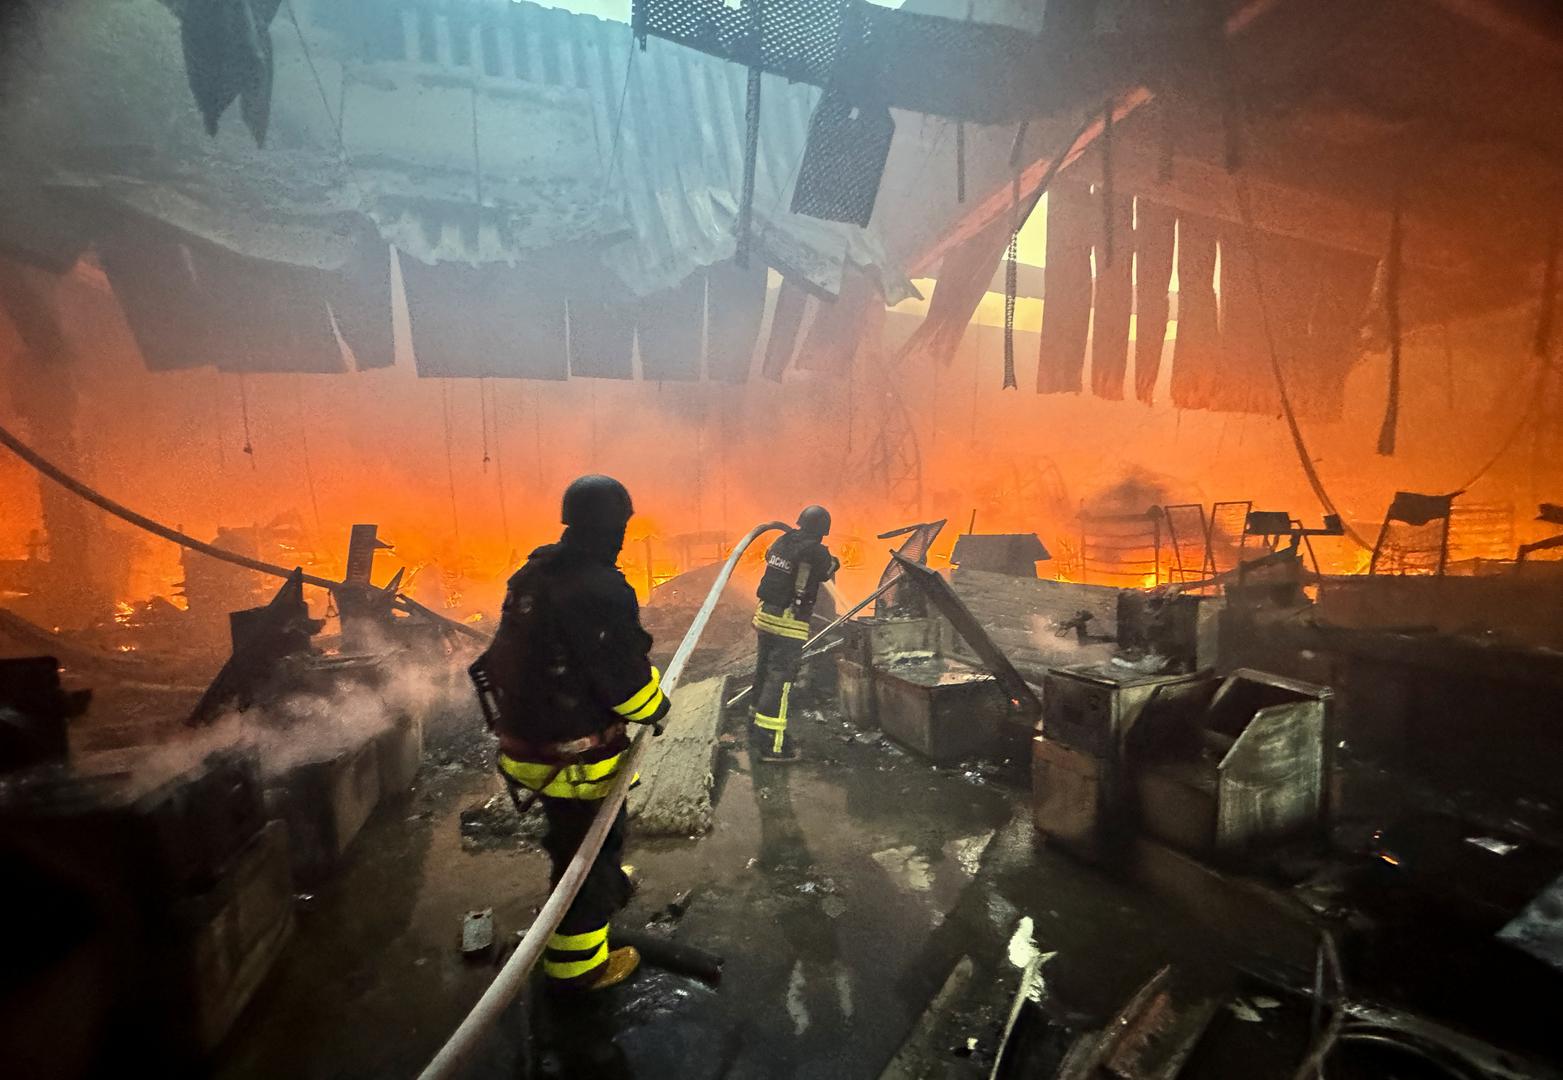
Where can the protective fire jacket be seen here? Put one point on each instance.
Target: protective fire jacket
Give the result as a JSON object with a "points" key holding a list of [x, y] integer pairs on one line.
{"points": [[571, 660], [796, 565]]}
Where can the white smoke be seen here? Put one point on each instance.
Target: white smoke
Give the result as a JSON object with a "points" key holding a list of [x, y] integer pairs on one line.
{"points": [[310, 726]]}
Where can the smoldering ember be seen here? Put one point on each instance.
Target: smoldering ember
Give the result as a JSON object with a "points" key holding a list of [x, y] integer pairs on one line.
{"points": [[781, 538]]}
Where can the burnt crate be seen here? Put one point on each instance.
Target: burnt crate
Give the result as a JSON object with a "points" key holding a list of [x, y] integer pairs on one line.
{"points": [[875, 642], [172, 825], [325, 801], [1071, 798], [855, 687], [400, 748], [1090, 707], [1242, 774], [947, 711], [217, 947]]}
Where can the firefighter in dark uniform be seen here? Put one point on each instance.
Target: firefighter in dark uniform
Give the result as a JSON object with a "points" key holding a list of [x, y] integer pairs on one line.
{"points": [[796, 565], [569, 668]]}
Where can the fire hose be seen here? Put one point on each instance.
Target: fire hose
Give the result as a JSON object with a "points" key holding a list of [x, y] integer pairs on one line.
{"points": [[47, 468], [507, 984]]}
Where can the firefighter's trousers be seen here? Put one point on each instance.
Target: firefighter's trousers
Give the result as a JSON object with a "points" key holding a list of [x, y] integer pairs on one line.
{"points": [[776, 669], [571, 796], [578, 950]]}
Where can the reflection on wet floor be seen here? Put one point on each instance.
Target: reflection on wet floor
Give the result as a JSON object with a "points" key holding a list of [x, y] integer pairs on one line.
{"points": [[826, 885]]}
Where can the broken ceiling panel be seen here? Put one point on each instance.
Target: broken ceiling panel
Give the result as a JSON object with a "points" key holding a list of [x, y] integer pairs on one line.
{"points": [[1155, 234], [266, 316], [965, 276], [358, 297], [735, 307], [1196, 355], [602, 338], [191, 303], [838, 326], [1114, 295], [44, 227], [474, 322], [1066, 315], [668, 328], [473, 132], [786, 320], [844, 160], [153, 276]]}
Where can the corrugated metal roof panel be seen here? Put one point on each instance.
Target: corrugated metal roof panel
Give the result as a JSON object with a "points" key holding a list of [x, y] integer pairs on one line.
{"points": [[671, 162]]}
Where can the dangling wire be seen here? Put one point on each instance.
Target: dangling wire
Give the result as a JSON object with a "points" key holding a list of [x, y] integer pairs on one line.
{"points": [[244, 413], [483, 416], [217, 418], [1389, 429], [618, 119], [1011, 256], [1546, 313], [1011, 283]]}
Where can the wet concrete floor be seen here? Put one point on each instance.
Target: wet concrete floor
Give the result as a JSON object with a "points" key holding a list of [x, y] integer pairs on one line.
{"points": [[841, 891]]}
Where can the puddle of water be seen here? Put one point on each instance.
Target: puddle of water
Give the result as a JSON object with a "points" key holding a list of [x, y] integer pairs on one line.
{"points": [[967, 852], [795, 1004], [907, 867]]}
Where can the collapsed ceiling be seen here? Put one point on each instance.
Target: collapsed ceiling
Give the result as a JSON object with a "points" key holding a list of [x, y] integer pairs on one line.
{"points": [[521, 151]]}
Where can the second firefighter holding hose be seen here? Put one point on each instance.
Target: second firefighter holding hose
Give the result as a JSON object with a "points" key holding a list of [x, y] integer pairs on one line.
{"points": [[796, 566]]}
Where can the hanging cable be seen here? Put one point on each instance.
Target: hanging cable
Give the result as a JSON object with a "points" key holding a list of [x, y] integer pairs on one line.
{"points": [[618, 120], [1012, 255], [1533, 401], [483, 416], [244, 416], [1299, 444], [217, 418], [336, 118], [1547, 311], [1392, 276]]}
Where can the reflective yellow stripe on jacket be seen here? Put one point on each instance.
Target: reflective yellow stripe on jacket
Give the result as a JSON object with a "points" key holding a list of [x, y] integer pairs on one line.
{"points": [[587, 781], [643, 703], [783, 625]]}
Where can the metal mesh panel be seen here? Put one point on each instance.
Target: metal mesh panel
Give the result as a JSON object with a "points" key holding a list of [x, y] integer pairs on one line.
{"points": [[1410, 549], [843, 161], [796, 38], [1481, 531], [914, 547], [924, 63], [1188, 547], [1228, 534], [1120, 549]]}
